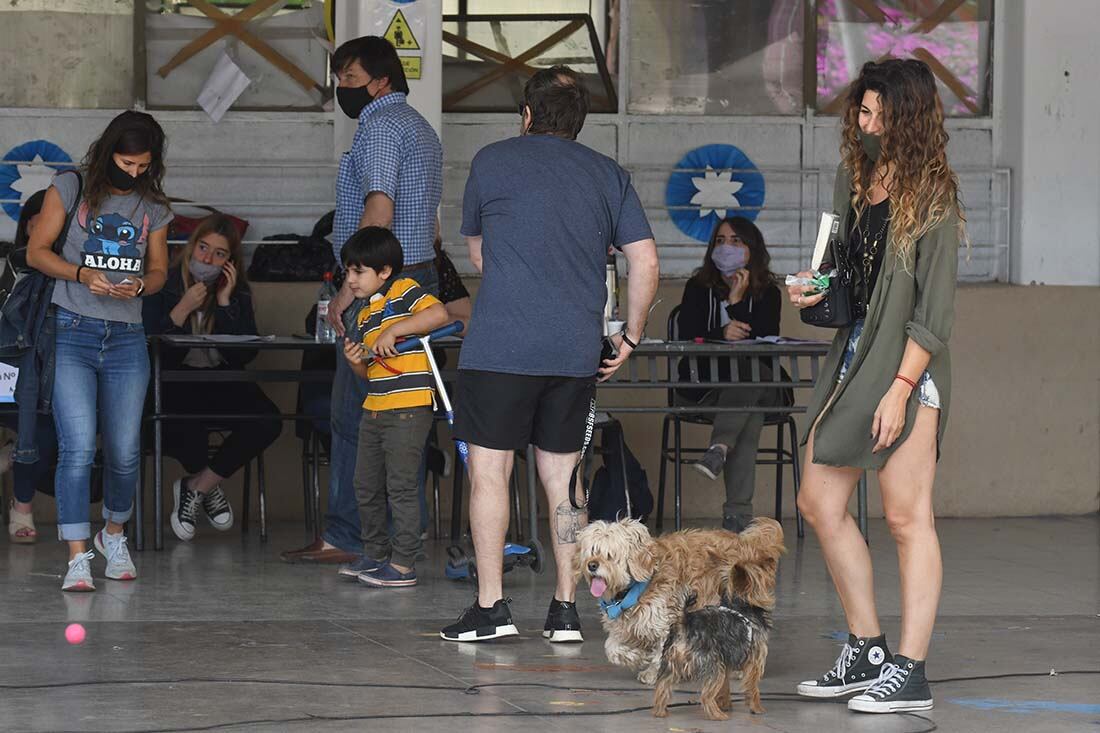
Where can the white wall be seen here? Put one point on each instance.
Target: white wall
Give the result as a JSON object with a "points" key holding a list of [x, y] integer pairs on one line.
{"points": [[1048, 98]]}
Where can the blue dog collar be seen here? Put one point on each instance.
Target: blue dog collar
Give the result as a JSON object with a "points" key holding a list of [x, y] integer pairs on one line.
{"points": [[633, 593]]}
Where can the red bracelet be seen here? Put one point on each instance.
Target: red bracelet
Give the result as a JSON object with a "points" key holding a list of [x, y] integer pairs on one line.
{"points": [[907, 380]]}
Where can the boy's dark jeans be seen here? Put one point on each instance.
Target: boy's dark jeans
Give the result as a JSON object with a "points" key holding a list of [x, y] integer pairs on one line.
{"points": [[391, 443]]}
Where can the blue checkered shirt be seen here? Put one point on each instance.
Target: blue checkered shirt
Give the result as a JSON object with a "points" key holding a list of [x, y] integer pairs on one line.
{"points": [[395, 151]]}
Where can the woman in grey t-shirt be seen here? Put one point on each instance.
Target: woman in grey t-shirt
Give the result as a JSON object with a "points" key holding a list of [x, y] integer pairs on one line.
{"points": [[115, 252]]}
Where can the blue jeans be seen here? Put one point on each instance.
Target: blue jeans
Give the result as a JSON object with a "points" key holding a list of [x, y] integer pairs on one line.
{"points": [[102, 372], [342, 526]]}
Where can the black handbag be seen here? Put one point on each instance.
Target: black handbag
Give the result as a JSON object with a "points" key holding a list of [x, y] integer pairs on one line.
{"points": [[836, 309]]}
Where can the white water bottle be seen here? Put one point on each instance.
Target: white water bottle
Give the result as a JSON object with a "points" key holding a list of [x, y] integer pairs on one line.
{"points": [[325, 333]]}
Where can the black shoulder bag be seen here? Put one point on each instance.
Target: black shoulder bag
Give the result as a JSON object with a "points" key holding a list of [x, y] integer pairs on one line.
{"points": [[14, 266], [835, 309]]}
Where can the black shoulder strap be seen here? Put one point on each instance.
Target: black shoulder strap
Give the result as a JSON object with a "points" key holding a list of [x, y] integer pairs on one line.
{"points": [[59, 243]]}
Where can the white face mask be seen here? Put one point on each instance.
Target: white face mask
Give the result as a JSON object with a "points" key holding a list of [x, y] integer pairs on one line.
{"points": [[204, 273]]}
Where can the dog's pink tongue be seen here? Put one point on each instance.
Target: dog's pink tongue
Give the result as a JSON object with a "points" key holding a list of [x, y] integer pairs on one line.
{"points": [[598, 587]]}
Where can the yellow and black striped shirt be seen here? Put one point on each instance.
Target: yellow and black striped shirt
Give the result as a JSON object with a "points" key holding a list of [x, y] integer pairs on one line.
{"points": [[414, 385]]}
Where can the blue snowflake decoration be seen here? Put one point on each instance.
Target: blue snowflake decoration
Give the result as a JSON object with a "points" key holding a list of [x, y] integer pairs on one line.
{"points": [[18, 180], [712, 190]]}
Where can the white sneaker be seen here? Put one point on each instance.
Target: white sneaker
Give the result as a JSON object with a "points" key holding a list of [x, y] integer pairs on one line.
{"points": [[119, 564], [79, 576]]}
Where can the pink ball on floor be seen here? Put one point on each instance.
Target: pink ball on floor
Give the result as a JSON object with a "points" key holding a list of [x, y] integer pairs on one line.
{"points": [[74, 634]]}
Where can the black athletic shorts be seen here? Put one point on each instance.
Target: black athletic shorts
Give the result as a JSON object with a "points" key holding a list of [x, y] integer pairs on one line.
{"points": [[509, 411]]}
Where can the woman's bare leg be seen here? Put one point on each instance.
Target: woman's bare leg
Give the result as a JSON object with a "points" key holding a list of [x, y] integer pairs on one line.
{"points": [[823, 500], [906, 482]]}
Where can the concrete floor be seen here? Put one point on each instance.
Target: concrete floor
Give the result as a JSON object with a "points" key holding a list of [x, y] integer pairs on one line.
{"points": [[220, 635]]}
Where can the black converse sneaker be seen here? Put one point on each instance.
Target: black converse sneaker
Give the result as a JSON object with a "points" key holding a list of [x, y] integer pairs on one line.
{"points": [[562, 622], [217, 509], [185, 510], [856, 669], [481, 624], [901, 687]]}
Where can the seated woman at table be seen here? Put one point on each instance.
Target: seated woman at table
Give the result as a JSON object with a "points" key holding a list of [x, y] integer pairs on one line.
{"points": [[206, 293], [731, 297]]}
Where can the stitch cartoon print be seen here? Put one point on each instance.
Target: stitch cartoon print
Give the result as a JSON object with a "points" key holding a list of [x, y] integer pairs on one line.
{"points": [[112, 242]]}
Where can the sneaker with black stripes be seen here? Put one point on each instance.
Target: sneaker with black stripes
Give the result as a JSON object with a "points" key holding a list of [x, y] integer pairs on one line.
{"points": [[901, 687], [856, 669], [482, 624], [563, 624]]}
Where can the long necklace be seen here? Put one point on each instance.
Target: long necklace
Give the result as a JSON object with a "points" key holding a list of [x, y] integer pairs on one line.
{"points": [[870, 250]]}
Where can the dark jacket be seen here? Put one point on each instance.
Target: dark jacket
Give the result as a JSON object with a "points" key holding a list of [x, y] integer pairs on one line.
{"points": [[914, 300], [238, 318], [27, 334], [700, 316]]}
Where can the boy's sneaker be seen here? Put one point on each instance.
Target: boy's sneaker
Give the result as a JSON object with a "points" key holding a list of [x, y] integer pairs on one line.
{"points": [[217, 509], [387, 576], [857, 668], [712, 462], [79, 576], [901, 687], [562, 622], [363, 565], [185, 511], [481, 624], [119, 564]]}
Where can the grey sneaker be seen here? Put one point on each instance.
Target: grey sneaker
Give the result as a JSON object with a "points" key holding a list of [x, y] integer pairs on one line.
{"points": [[119, 564], [364, 564], [736, 522], [79, 576], [217, 509], [712, 462]]}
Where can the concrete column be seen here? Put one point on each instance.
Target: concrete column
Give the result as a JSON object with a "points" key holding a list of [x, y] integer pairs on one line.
{"points": [[357, 18], [1047, 105]]}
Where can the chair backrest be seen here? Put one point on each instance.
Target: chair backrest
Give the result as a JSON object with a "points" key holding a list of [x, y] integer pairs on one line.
{"points": [[673, 334], [674, 324]]}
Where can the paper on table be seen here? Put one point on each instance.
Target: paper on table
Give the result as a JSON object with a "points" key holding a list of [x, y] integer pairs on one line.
{"points": [[225, 84], [224, 338]]}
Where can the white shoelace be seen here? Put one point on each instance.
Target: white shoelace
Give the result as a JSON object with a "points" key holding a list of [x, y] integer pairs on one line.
{"points": [[890, 679], [115, 545], [847, 657], [84, 558], [189, 505]]}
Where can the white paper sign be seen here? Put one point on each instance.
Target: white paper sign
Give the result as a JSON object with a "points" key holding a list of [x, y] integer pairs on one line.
{"points": [[8, 377], [226, 83]]}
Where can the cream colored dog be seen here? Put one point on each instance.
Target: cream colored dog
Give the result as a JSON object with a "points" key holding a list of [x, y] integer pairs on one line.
{"points": [[642, 582]]}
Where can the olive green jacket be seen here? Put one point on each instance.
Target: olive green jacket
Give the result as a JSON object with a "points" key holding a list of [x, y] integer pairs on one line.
{"points": [[918, 304]]}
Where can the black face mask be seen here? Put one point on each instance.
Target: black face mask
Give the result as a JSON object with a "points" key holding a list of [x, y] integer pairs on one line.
{"points": [[352, 100], [120, 179]]}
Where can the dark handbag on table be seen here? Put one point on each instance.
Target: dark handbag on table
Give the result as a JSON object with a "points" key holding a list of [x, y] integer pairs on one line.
{"points": [[306, 259], [836, 309]]}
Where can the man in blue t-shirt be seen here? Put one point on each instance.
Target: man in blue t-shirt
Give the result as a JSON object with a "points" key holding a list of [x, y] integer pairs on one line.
{"points": [[539, 215]]}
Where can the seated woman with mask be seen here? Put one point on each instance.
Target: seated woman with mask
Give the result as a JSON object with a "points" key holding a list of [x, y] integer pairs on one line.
{"points": [[206, 293], [732, 297]]}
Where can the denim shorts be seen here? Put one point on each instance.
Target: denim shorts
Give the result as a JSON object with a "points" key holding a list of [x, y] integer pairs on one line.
{"points": [[928, 395]]}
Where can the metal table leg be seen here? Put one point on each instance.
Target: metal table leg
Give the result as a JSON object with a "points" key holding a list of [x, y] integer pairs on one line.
{"points": [[158, 452]]}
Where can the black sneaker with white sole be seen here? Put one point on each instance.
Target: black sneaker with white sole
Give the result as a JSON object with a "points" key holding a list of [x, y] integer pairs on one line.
{"points": [[857, 668], [217, 509], [901, 687], [482, 624], [563, 624], [185, 511]]}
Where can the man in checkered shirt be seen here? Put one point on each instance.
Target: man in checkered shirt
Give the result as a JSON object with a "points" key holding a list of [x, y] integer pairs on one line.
{"points": [[392, 177]]}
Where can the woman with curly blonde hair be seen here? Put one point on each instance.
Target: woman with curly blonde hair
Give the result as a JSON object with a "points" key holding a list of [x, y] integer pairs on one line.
{"points": [[882, 399]]}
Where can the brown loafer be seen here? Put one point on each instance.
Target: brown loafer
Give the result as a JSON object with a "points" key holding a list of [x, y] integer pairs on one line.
{"points": [[315, 553]]}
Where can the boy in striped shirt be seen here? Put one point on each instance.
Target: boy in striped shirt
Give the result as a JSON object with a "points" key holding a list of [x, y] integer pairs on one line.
{"points": [[398, 411]]}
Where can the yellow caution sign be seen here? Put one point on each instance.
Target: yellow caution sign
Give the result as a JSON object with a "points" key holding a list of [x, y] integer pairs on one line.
{"points": [[400, 34], [411, 65]]}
